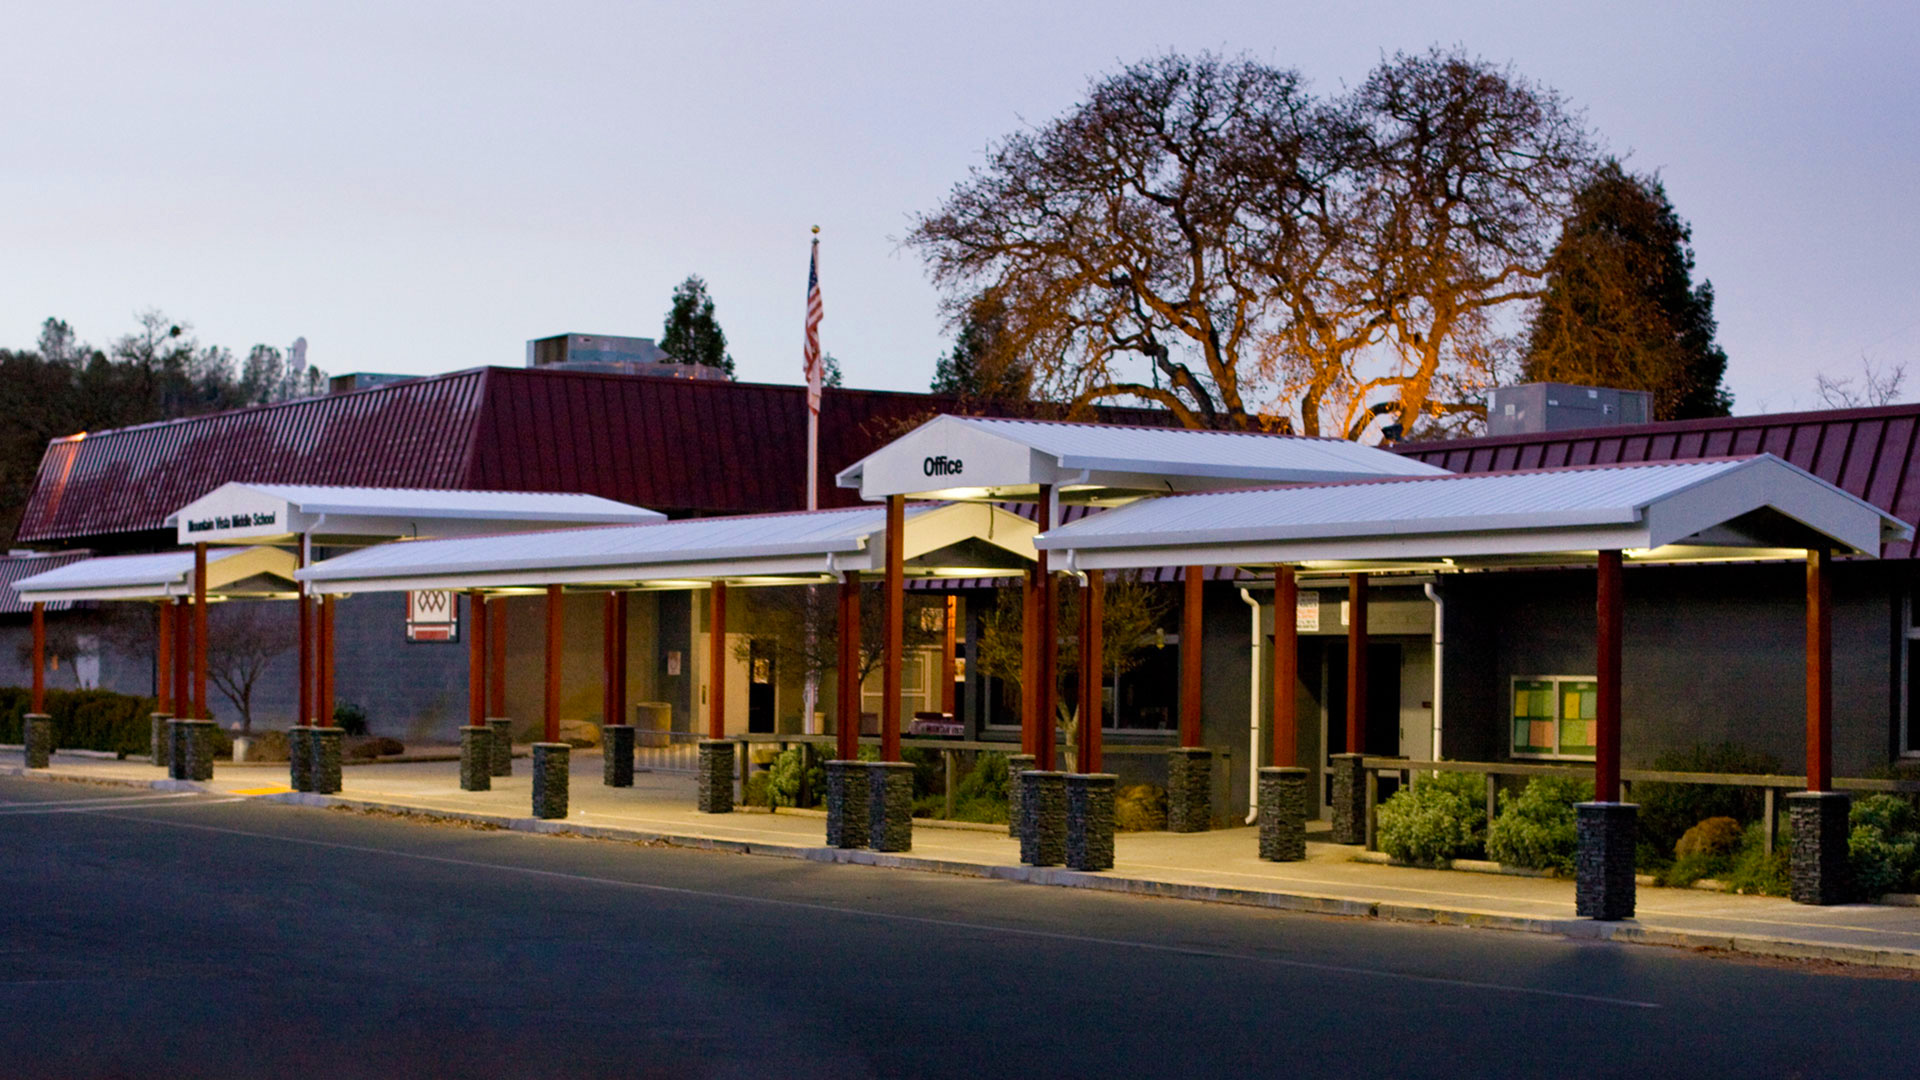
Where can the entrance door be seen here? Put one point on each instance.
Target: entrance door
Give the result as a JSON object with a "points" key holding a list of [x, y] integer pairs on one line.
{"points": [[1380, 731], [761, 688]]}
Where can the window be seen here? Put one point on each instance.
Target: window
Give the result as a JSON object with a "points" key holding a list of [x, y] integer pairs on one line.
{"points": [[1909, 654], [1553, 716]]}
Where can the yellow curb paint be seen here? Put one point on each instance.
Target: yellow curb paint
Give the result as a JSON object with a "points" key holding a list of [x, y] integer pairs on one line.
{"points": [[262, 790]]}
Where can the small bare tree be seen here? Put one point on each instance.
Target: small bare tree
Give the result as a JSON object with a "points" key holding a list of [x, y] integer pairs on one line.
{"points": [[1129, 614], [1879, 385], [243, 639]]}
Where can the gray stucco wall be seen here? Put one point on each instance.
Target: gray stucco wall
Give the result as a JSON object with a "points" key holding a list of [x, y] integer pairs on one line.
{"points": [[1712, 653]]}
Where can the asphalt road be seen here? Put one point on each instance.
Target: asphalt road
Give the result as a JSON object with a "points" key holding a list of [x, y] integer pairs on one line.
{"points": [[149, 935]]}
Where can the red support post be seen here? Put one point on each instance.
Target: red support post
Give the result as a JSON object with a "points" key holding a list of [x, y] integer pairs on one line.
{"points": [[324, 679], [39, 658], [1286, 668], [1046, 647], [163, 661], [950, 641], [1190, 667], [847, 718], [476, 659], [200, 632], [896, 609], [555, 643], [717, 661], [497, 665], [619, 713], [1029, 633], [1819, 671], [1093, 647], [304, 659], [1356, 663], [182, 658], [1606, 706]]}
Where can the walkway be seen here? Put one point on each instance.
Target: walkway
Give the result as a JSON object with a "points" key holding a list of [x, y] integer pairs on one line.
{"points": [[1217, 866]]}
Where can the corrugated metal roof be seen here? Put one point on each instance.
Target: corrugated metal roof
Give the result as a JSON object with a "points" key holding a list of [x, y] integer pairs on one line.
{"points": [[411, 434], [566, 507], [166, 573], [17, 568], [703, 539], [683, 446], [1549, 501], [1869, 453], [1211, 453]]}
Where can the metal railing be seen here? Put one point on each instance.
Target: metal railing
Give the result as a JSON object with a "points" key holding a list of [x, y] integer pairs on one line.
{"points": [[1771, 784]]}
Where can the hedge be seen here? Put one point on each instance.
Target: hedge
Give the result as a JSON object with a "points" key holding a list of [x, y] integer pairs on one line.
{"points": [[84, 719]]}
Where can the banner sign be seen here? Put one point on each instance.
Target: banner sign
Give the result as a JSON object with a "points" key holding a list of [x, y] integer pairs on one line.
{"points": [[432, 615]]}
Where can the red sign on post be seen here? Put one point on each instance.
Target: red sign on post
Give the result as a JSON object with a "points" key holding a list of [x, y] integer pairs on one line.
{"points": [[432, 615]]}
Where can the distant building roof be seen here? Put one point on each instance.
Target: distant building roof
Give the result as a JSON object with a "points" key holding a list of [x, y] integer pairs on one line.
{"points": [[685, 447], [1873, 454]]}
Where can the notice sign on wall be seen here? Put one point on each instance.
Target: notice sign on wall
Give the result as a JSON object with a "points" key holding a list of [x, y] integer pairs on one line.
{"points": [[1306, 612], [432, 615]]}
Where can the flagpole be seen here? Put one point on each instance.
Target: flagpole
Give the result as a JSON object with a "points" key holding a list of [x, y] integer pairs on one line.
{"points": [[810, 695], [813, 417]]}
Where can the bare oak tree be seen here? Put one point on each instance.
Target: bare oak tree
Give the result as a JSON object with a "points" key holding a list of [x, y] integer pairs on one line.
{"points": [[1207, 236], [243, 638]]}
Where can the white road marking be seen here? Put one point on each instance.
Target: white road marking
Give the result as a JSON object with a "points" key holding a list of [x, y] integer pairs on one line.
{"points": [[919, 920], [136, 802]]}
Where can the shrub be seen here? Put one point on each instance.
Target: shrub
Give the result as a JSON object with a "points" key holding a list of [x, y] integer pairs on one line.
{"points": [[1536, 829], [757, 785], [84, 719], [1667, 811], [350, 718], [981, 792], [1437, 819], [1716, 836], [1140, 808], [1754, 871], [784, 775], [1884, 846]]}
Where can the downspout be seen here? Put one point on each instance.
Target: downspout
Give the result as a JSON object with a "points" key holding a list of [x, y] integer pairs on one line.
{"points": [[1439, 666], [1253, 715]]}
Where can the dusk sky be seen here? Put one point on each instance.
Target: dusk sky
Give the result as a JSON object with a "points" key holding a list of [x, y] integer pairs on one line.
{"points": [[423, 187]]}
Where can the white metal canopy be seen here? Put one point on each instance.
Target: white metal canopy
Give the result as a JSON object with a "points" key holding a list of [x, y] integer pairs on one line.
{"points": [[259, 572], [244, 513], [1753, 507], [954, 540], [968, 457]]}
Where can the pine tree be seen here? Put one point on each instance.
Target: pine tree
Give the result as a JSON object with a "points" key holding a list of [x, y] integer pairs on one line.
{"points": [[1620, 307], [977, 368], [692, 335]]}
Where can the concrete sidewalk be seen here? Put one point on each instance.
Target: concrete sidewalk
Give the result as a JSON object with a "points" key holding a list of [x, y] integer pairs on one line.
{"points": [[1220, 866]]}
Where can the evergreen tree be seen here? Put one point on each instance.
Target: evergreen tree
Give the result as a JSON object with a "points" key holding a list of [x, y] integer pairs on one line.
{"points": [[692, 335], [979, 367], [1620, 308]]}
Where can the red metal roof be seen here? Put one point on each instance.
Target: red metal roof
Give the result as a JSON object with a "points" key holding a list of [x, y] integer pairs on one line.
{"points": [[1867, 452], [682, 446]]}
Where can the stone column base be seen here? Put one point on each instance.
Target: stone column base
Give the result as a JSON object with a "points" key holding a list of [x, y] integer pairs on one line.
{"points": [[1603, 862], [160, 741], [1349, 786], [193, 742], [1283, 814], [1016, 764], [1043, 818], [551, 764], [1820, 871], [1090, 820], [1189, 789], [847, 810], [36, 731], [616, 755], [300, 757], [476, 758], [326, 759], [890, 805], [500, 747], [716, 776]]}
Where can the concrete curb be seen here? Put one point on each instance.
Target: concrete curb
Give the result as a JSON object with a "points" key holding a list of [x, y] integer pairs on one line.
{"points": [[1628, 932]]}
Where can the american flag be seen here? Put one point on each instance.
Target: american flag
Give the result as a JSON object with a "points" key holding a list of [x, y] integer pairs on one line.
{"points": [[811, 357]]}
